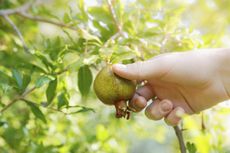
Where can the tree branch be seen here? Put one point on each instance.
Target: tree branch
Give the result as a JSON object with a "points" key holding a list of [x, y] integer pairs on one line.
{"points": [[6, 17], [22, 8], [40, 19], [58, 110], [60, 72], [8, 105], [180, 139], [112, 11], [16, 99]]}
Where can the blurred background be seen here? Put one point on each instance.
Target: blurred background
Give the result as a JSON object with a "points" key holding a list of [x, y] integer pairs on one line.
{"points": [[47, 74]]}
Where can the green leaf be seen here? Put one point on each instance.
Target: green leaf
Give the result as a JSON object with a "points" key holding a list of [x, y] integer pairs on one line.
{"points": [[91, 59], [36, 111], [5, 87], [85, 79], [43, 80], [17, 77], [2, 123], [75, 66], [51, 91], [67, 18], [44, 60], [62, 100], [191, 147], [121, 53], [83, 110], [4, 77], [86, 35], [26, 81]]}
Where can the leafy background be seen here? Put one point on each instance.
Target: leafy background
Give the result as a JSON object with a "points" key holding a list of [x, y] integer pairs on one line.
{"points": [[46, 99]]}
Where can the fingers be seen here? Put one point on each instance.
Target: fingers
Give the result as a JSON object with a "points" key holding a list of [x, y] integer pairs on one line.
{"points": [[137, 71], [137, 103], [158, 109], [146, 91], [175, 116], [141, 97], [152, 68]]}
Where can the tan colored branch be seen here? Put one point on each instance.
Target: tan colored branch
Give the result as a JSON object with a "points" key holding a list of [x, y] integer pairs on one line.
{"points": [[40, 19], [22, 8], [180, 139], [6, 17], [113, 13], [17, 99]]}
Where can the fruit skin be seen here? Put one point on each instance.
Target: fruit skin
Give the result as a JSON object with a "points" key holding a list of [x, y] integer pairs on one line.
{"points": [[111, 88]]}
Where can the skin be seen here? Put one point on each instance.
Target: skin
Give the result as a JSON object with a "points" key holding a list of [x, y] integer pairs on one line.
{"points": [[183, 82]]}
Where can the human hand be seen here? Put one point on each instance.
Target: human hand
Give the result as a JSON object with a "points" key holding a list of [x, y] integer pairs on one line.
{"points": [[185, 82]]}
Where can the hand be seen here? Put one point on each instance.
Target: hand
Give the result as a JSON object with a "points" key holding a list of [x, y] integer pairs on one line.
{"points": [[185, 82]]}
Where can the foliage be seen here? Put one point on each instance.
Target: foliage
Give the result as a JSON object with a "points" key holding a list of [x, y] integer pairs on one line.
{"points": [[45, 76]]}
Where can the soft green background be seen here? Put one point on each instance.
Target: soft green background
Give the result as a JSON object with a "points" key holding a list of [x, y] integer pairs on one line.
{"points": [[64, 62]]}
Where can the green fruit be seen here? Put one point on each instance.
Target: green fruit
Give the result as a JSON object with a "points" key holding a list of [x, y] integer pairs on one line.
{"points": [[111, 88]]}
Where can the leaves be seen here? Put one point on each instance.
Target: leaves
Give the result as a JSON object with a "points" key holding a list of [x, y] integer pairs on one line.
{"points": [[22, 80], [26, 81], [191, 147], [91, 39], [36, 111], [85, 79], [42, 80], [17, 77], [62, 100], [86, 35], [67, 18], [51, 91]]}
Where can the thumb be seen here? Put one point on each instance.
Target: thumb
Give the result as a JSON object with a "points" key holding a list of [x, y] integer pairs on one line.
{"points": [[137, 71]]}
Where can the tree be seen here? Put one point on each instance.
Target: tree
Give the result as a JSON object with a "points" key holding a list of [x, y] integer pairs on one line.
{"points": [[50, 52]]}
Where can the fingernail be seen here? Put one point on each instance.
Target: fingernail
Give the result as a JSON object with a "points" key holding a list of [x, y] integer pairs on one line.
{"points": [[180, 113], [165, 107], [119, 66]]}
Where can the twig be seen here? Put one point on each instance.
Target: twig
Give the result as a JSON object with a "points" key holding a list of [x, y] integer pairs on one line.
{"points": [[8, 105], [203, 127], [22, 11], [164, 41], [40, 19], [16, 99], [113, 13], [27, 92], [18, 32], [113, 37], [60, 72], [180, 139], [58, 110], [22, 8]]}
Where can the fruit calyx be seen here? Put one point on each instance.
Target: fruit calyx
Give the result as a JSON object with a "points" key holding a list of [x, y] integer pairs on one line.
{"points": [[122, 109]]}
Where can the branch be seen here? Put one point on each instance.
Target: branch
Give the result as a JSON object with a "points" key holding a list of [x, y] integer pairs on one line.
{"points": [[16, 99], [40, 19], [58, 110], [60, 72], [203, 127], [18, 32], [22, 12], [22, 8], [8, 105], [112, 11], [180, 139]]}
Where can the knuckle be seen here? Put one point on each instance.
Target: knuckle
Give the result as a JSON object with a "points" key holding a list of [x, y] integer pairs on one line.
{"points": [[151, 114], [140, 102], [170, 122]]}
